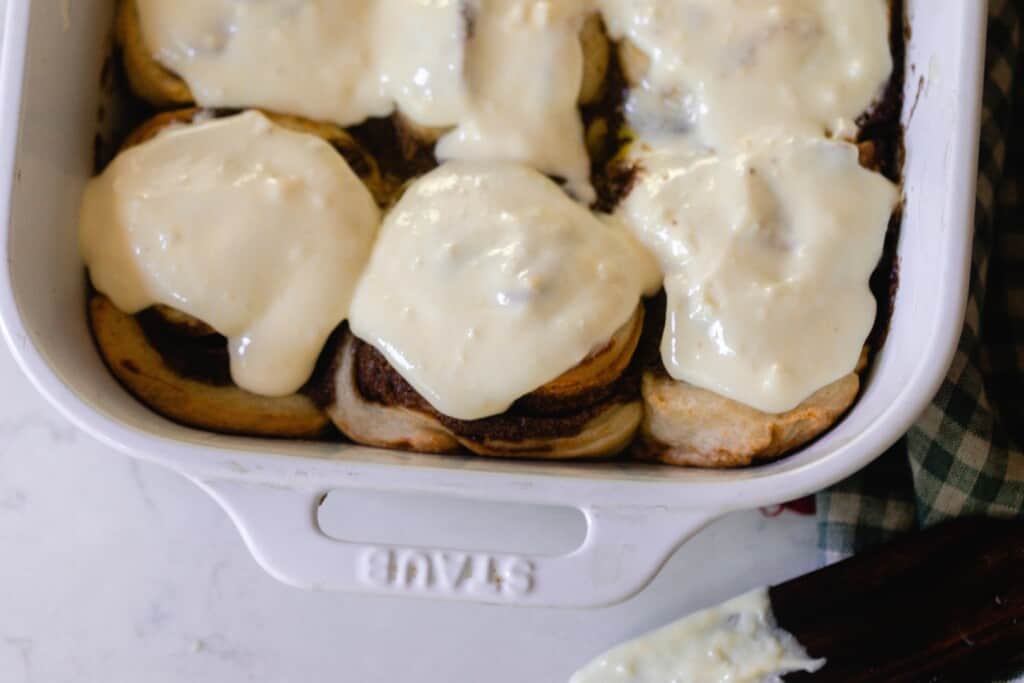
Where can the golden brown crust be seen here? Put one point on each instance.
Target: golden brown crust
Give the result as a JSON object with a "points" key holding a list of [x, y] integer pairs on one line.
{"points": [[206, 405], [597, 51], [685, 425], [147, 77], [187, 324], [606, 434], [227, 409]]}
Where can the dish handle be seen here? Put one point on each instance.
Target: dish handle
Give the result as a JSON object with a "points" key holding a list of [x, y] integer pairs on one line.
{"points": [[624, 548]]}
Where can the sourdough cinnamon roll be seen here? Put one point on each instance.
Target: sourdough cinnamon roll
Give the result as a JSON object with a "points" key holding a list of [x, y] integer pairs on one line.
{"points": [[224, 253], [769, 309], [185, 377], [589, 411], [687, 425], [497, 315]]}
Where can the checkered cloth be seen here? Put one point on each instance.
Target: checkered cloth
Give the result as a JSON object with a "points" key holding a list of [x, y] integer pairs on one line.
{"points": [[965, 454]]}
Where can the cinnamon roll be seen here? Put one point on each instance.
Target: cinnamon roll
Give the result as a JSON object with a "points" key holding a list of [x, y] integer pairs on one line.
{"points": [[496, 315], [589, 411], [223, 252], [687, 425]]}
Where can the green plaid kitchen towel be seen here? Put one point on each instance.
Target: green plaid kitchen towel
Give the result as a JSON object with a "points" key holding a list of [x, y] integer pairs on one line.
{"points": [[965, 454]]}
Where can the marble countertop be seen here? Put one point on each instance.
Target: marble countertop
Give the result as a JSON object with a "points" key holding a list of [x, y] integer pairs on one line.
{"points": [[114, 570]]}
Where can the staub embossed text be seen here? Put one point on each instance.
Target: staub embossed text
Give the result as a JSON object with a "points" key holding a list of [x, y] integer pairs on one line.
{"points": [[446, 572]]}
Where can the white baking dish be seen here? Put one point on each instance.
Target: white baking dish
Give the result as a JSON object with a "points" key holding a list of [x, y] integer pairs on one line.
{"points": [[636, 514]]}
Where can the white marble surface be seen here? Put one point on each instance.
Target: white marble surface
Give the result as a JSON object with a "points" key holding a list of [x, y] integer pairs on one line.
{"points": [[115, 570]]}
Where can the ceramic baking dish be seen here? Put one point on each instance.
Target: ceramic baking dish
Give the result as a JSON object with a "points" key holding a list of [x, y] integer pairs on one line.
{"points": [[636, 515]]}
